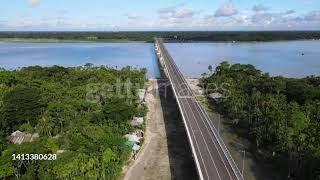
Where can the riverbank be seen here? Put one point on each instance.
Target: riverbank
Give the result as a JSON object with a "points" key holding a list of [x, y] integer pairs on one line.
{"points": [[44, 40], [179, 36]]}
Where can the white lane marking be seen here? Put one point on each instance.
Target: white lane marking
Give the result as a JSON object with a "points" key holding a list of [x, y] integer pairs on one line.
{"points": [[210, 136], [199, 150], [222, 147], [189, 136], [183, 109], [215, 144], [207, 147], [217, 139]]}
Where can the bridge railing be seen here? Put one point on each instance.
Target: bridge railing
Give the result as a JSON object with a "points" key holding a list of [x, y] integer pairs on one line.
{"points": [[222, 145]]}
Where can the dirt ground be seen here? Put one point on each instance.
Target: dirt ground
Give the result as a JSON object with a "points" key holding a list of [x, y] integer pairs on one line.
{"points": [[235, 144], [165, 153]]}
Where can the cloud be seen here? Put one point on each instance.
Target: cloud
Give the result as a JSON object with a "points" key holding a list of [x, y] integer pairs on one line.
{"points": [[313, 16], [290, 12], [226, 10], [176, 12], [176, 15], [259, 8], [34, 2], [263, 18], [132, 16]]}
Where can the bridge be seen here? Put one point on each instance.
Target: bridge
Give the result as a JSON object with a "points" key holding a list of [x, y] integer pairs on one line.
{"points": [[212, 158]]}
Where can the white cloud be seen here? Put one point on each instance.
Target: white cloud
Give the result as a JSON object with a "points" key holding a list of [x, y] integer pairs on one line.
{"points": [[226, 10], [313, 16], [262, 18], [176, 15], [259, 8], [132, 16], [181, 11], [34, 2]]}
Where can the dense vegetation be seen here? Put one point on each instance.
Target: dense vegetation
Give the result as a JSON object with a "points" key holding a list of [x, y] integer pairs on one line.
{"points": [[280, 116], [179, 36], [84, 111]]}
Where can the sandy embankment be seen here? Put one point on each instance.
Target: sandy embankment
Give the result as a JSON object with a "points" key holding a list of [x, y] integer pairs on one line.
{"points": [[165, 153], [154, 149]]}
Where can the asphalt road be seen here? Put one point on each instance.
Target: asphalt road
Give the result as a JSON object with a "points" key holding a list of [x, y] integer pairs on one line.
{"points": [[212, 158]]}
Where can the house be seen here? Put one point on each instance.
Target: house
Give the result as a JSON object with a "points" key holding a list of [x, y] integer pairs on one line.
{"points": [[19, 137], [216, 96], [133, 138], [138, 132], [137, 121], [135, 147], [141, 93], [132, 142]]}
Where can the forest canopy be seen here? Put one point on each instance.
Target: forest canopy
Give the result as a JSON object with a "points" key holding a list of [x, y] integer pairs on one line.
{"points": [[148, 36], [74, 113], [280, 116]]}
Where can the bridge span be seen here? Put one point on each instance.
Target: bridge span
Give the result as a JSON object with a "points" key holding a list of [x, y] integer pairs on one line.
{"points": [[212, 158]]}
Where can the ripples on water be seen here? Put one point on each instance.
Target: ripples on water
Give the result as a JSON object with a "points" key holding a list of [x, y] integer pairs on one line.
{"points": [[291, 58], [138, 55]]}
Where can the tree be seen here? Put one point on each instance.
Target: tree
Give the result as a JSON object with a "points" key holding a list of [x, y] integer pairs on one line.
{"points": [[210, 69], [27, 110], [223, 68]]}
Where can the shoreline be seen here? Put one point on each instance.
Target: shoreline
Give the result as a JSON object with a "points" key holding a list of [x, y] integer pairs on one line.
{"points": [[27, 40], [44, 40]]}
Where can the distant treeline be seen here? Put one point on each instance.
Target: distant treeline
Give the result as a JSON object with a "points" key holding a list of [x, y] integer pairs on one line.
{"points": [[178, 36]]}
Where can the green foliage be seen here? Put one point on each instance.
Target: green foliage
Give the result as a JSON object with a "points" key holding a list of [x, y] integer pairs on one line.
{"points": [[181, 36], [20, 105], [279, 115], [53, 101], [26, 127]]}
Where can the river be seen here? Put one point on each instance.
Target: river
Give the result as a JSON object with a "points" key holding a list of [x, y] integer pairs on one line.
{"points": [[287, 58]]}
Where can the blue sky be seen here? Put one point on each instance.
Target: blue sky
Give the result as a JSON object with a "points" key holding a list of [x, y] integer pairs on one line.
{"points": [[123, 15]]}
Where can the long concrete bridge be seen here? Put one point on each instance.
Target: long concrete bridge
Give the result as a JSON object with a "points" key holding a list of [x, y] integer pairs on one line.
{"points": [[211, 156]]}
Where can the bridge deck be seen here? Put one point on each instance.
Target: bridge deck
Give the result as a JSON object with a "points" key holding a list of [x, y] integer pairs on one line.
{"points": [[211, 156]]}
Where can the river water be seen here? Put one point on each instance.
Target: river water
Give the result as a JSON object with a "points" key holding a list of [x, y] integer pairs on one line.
{"points": [[288, 58]]}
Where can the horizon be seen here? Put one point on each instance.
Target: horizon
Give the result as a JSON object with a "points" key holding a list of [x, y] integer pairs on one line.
{"points": [[159, 31]]}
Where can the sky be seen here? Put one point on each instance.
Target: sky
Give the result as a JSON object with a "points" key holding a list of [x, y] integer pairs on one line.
{"points": [[161, 15]]}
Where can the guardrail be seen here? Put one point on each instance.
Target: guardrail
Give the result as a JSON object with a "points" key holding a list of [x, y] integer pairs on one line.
{"points": [[160, 48]]}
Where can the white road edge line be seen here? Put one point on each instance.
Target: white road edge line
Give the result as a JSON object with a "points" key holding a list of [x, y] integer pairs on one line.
{"points": [[189, 136]]}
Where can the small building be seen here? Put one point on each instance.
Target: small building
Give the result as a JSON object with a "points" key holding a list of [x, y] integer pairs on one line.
{"points": [[135, 147], [132, 142], [133, 138], [217, 97], [141, 93], [137, 121], [19, 137], [138, 133]]}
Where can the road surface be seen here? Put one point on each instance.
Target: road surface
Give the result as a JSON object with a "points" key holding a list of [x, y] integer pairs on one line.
{"points": [[211, 156]]}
